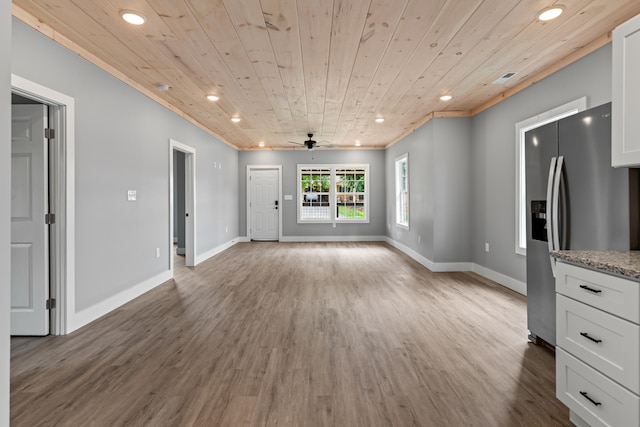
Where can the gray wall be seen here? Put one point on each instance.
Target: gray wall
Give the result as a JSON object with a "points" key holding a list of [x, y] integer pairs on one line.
{"points": [[122, 143], [5, 203], [439, 190], [289, 161], [493, 154], [452, 185]]}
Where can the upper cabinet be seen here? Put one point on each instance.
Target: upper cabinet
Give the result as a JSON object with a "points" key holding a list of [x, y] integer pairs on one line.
{"points": [[625, 120]]}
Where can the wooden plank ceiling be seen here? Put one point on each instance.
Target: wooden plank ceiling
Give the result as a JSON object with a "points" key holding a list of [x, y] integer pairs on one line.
{"points": [[291, 67]]}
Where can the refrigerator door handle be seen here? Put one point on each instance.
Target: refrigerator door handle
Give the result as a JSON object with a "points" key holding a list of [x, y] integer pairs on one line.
{"points": [[555, 226], [550, 227], [556, 204]]}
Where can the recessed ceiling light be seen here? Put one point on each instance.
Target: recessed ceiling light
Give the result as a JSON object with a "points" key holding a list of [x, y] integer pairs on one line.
{"points": [[358, 144], [133, 17], [235, 119], [445, 98], [213, 97], [261, 144], [163, 87], [551, 13], [379, 120]]}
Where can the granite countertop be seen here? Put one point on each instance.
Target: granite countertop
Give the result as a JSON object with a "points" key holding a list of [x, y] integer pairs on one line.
{"points": [[621, 263]]}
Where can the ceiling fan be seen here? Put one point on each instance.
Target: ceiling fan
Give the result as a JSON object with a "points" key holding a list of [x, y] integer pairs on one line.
{"points": [[311, 144]]}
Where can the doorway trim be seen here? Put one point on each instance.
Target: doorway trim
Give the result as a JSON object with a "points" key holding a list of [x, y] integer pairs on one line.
{"points": [[190, 202], [281, 207], [62, 253]]}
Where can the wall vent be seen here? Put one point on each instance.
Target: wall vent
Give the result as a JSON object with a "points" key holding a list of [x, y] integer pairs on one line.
{"points": [[504, 78]]}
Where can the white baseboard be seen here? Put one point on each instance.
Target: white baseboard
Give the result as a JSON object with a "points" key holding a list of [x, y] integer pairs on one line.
{"points": [[413, 254], [215, 251], [441, 267], [244, 239], [436, 267], [504, 280], [88, 315], [333, 239]]}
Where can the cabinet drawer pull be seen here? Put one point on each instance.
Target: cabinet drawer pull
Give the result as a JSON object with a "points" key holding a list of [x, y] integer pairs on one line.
{"points": [[586, 396], [586, 288], [586, 335]]}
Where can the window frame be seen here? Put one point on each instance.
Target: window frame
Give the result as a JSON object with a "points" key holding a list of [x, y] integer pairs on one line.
{"points": [[404, 158], [333, 216], [560, 112]]}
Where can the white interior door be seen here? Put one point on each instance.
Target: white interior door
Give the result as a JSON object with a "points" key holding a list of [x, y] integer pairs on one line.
{"points": [[265, 209], [29, 237]]}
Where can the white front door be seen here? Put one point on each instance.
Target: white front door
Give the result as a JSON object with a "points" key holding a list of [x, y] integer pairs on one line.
{"points": [[265, 209], [29, 236]]}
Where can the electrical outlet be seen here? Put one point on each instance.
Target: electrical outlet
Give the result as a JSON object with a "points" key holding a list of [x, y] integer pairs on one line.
{"points": [[486, 247]]}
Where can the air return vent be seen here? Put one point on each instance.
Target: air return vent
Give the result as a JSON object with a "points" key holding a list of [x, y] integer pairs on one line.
{"points": [[504, 78]]}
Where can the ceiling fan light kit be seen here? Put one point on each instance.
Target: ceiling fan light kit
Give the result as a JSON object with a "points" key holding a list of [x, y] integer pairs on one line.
{"points": [[311, 144]]}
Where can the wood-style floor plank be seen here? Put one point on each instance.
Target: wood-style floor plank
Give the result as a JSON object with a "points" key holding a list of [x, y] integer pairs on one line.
{"points": [[296, 334]]}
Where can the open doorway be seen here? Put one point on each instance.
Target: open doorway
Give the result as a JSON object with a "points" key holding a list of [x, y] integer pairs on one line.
{"points": [[182, 201], [57, 193]]}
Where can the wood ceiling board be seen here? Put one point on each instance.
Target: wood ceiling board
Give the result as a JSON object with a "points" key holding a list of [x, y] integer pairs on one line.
{"points": [[382, 20], [248, 20], [219, 79], [414, 24], [281, 19], [40, 25], [315, 41], [349, 17], [417, 19], [445, 73], [219, 30], [457, 29], [519, 46], [329, 74], [630, 9], [204, 66]]}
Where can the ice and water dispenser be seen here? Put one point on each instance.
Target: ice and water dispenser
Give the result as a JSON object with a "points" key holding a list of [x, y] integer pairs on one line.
{"points": [[539, 220]]}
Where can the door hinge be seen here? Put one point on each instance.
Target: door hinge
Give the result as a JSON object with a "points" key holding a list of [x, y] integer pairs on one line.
{"points": [[50, 303], [49, 133], [49, 218]]}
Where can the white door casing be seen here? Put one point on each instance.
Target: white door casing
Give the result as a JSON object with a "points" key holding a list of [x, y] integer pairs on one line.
{"points": [[29, 234], [265, 204], [190, 201]]}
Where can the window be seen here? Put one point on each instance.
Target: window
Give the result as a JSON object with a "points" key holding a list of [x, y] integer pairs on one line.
{"points": [[522, 127], [402, 191], [333, 193]]}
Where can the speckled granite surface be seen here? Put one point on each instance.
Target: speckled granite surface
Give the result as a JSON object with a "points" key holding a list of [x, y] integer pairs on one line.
{"points": [[621, 263]]}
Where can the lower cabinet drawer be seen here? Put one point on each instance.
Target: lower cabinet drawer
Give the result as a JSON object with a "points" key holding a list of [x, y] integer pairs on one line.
{"points": [[595, 398], [609, 293], [606, 342]]}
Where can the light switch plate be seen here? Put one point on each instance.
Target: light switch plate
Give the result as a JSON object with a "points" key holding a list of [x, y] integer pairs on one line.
{"points": [[288, 197], [131, 195]]}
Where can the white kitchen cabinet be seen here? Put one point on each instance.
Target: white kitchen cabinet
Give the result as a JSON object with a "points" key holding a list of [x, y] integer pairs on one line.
{"points": [[598, 346], [625, 142]]}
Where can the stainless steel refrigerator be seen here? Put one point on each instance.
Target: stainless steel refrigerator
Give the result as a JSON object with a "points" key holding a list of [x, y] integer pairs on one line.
{"points": [[575, 200]]}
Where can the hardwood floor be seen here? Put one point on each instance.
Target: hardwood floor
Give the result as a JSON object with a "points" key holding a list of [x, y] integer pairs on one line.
{"points": [[296, 334]]}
